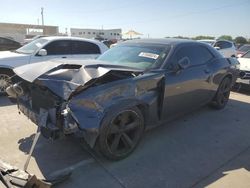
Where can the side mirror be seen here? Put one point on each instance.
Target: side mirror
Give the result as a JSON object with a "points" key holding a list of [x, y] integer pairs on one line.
{"points": [[42, 52], [217, 48], [184, 63]]}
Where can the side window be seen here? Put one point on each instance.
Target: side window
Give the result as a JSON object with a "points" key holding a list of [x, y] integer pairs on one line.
{"points": [[186, 51], [196, 54], [5, 41], [2, 41], [60, 47], [223, 44], [82, 47], [203, 54]]}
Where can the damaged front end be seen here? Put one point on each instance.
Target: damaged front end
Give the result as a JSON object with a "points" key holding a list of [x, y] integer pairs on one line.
{"points": [[53, 96]]}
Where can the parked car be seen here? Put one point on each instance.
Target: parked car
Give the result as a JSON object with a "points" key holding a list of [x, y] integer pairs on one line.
{"points": [[208, 41], [26, 41], [8, 44], [134, 86], [244, 60], [226, 48], [243, 49], [44, 49]]}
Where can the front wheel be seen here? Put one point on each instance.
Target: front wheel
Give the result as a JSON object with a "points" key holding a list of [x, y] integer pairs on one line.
{"points": [[120, 133], [222, 95], [5, 81]]}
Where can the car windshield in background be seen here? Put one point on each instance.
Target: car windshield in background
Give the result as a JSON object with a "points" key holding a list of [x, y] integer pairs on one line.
{"points": [[32, 46], [246, 55], [140, 57], [244, 48]]}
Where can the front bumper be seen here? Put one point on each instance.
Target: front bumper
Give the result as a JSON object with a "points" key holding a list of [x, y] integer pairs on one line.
{"points": [[41, 119], [243, 81]]}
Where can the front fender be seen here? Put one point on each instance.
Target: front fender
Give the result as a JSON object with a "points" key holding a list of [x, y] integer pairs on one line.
{"points": [[92, 105], [6, 67]]}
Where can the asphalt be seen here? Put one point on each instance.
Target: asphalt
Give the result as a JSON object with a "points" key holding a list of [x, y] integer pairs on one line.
{"points": [[206, 148]]}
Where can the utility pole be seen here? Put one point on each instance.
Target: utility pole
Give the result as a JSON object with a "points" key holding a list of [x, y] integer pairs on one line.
{"points": [[42, 16]]}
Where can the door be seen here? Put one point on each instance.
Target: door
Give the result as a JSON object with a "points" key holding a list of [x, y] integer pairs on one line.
{"points": [[189, 86], [55, 49], [85, 50]]}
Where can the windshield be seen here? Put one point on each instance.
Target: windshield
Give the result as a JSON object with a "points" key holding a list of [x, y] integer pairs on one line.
{"points": [[140, 57], [246, 55], [244, 48], [32, 46]]}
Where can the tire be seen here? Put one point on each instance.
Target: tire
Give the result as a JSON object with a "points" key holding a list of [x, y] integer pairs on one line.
{"points": [[222, 95], [5, 80], [120, 133]]}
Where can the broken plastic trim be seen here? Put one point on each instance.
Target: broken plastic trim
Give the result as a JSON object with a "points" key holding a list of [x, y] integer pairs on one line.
{"points": [[11, 177]]}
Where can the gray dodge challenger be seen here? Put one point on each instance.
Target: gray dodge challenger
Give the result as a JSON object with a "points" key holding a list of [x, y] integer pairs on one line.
{"points": [[134, 86]]}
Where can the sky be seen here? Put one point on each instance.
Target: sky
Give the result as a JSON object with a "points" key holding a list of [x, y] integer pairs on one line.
{"points": [[152, 18]]}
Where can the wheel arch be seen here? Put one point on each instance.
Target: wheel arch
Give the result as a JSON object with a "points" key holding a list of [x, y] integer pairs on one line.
{"points": [[127, 103], [7, 69]]}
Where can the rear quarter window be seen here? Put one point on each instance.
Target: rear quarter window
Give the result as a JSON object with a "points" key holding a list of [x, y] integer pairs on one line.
{"points": [[82, 47], [197, 54]]}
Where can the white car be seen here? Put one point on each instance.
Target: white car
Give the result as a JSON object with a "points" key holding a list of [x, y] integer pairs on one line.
{"points": [[225, 47], [208, 41], [245, 69], [44, 49]]}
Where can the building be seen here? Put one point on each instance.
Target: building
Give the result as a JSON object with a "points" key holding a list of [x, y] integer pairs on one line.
{"points": [[19, 32], [104, 34]]}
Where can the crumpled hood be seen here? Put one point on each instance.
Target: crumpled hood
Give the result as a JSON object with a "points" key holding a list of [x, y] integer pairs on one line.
{"points": [[64, 76], [12, 59], [244, 64]]}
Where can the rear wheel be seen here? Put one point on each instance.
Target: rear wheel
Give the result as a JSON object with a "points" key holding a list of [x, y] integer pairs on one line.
{"points": [[5, 80], [222, 95], [120, 133]]}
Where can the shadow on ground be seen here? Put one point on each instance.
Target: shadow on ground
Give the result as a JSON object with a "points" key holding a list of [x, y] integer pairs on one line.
{"points": [[4, 101], [52, 156], [192, 151]]}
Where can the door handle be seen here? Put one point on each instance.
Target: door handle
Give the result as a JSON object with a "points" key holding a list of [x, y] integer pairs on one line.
{"points": [[207, 71], [64, 57]]}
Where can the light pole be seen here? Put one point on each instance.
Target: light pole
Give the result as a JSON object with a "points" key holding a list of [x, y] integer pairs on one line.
{"points": [[42, 16]]}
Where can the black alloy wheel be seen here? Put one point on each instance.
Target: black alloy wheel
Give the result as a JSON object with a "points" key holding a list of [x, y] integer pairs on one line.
{"points": [[223, 93], [120, 135]]}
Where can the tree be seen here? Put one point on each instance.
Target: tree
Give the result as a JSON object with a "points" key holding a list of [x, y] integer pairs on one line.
{"points": [[200, 37], [181, 37], [240, 40], [225, 37]]}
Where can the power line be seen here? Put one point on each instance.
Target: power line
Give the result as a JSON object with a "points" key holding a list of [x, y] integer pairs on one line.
{"points": [[183, 15]]}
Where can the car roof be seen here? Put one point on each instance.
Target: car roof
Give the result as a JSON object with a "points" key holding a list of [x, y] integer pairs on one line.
{"points": [[208, 40], [169, 41], [9, 38], [224, 40], [50, 38]]}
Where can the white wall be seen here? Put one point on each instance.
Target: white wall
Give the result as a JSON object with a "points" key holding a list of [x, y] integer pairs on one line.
{"points": [[93, 33]]}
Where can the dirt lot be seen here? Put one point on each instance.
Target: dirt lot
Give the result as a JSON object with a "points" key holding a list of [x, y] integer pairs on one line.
{"points": [[206, 148]]}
